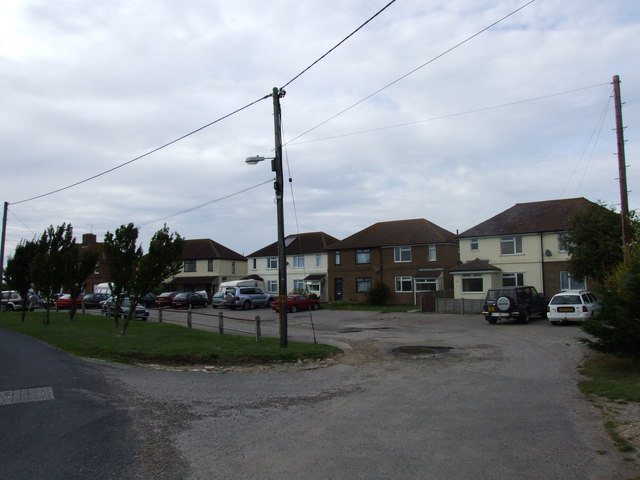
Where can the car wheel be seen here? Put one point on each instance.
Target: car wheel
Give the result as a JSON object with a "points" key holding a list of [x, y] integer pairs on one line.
{"points": [[293, 309], [269, 302], [555, 324], [524, 318], [246, 305], [492, 320], [315, 306]]}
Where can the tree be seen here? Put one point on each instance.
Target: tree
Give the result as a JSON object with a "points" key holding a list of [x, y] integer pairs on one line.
{"points": [[594, 242], [18, 271], [134, 274], [79, 266], [123, 257], [48, 266], [616, 328], [379, 294]]}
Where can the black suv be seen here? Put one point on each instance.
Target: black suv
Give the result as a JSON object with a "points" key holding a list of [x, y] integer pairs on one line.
{"points": [[513, 302]]}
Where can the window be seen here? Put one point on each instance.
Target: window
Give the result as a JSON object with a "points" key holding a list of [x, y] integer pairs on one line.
{"points": [[313, 287], [272, 262], [567, 282], [404, 284], [318, 260], [402, 254], [432, 253], [96, 270], [511, 245], [233, 267], [363, 255], [210, 265], [562, 246], [298, 261], [189, 265], [337, 259], [255, 264], [298, 285], [363, 284], [472, 283], [513, 279], [426, 284], [272, 286], [474, 244]]}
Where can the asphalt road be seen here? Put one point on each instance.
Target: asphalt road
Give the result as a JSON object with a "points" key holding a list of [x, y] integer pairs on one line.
{"points": [[59, 417], [498, 401]]}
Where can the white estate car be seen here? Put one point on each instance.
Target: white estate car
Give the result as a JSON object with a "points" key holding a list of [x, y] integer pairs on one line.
{"points": [[572, 306]]}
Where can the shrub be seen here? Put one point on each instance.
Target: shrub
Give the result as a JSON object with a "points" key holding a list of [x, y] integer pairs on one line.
{"points": [[378, 294]]}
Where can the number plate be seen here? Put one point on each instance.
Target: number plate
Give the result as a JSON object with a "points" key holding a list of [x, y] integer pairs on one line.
{"points": [[566, 309], [491, 308]]}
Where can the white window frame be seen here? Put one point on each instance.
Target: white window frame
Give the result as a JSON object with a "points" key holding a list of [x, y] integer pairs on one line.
{"points": [[337, 259], [298, 261], [404, 284], [272, 286], [272, 263], [472, 276], [360, 282], [426, 284], [402, 254], [516, 279], [567, 282], [363, 254], [474, 245], [432, 253], [318, 260], [511, 245], [299, 285]]}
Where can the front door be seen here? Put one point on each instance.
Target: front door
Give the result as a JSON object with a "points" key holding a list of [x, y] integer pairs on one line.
{"points": [[337, 288]]}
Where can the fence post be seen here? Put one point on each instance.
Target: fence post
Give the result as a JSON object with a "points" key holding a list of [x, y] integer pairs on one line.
{"points": [[189, 317], [83, 309], [221, 323], [258, 330], [160, 314]]}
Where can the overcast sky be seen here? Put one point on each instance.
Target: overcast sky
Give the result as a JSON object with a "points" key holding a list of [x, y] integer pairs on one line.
{"points": [[520, 112]]}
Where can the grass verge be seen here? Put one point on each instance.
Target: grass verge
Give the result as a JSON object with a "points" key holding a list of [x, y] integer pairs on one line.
{"points": [[616, 380], [161, 343]]}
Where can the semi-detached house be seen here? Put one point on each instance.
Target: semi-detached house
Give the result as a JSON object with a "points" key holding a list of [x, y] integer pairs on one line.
{"points": [[520, 246]]}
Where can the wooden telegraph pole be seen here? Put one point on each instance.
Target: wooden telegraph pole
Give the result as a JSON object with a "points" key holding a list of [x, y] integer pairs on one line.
{"points": [[622, 166]]}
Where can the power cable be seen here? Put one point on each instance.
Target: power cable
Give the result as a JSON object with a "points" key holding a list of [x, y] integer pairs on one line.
{"points": [[204, 204], [450, 115], [338, 44], [144, 154], [23, 224], [459, 44]]}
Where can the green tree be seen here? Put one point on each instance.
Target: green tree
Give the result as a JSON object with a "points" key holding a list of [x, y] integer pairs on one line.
{"points": [[616, 328], [123, 257], [594, 242], [18, 272], [79, 265], [379, 294], [49, 264]]}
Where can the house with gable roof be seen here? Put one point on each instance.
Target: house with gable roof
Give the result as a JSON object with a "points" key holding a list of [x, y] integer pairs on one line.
{"points": [[520, 246], [306, 263], [409, 256], [206, 265]]}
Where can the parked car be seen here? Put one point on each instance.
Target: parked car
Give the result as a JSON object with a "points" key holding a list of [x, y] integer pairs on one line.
{"points": [[11, 300], [94, 300], [109, 307], [65, 301], [148, 300], [217, 300], [188, 299], [297, 302], [246, 297], [572, 306], [164, 299], [513, 302]]}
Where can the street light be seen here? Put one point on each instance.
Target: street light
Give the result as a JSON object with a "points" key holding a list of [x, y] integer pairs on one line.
{"points": [[278, 185]]}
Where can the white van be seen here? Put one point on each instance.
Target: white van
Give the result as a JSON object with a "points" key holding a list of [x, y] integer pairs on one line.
{"points": [[241, 283]]}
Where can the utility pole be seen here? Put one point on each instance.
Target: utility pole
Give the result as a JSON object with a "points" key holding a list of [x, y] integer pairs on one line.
{"points": [[4, 236], [279, 191], [622, 167]]}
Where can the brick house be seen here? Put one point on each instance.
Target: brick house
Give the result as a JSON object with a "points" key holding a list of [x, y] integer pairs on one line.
{"points": [[306, 263], [101, 272], [520, 246], [409, 256]]}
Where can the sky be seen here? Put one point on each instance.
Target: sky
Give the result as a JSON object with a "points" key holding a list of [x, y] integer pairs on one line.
{"points": [[430, 110]]}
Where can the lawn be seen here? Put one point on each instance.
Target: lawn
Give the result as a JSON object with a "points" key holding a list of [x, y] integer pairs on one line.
{"points": [[160, 343], [617, 379]]}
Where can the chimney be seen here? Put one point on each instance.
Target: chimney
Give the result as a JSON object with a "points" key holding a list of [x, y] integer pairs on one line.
{"points": [[88, 239]]}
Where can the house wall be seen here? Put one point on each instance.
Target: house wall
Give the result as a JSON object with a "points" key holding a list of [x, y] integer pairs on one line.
{"points": [[540, 262], [383, 267]]}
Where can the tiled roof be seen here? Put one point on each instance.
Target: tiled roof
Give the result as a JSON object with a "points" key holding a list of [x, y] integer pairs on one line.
{"points": [[533, 217], [205, 248], [298, 244], [476, 265], [396, 233]]}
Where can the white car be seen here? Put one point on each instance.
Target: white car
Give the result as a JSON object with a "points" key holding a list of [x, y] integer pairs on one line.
{"points": [[572, 306]]}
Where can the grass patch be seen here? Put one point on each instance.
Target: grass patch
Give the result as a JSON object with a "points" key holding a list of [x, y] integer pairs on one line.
{"points": [[617, 379], [96, 336], [342, 305]]}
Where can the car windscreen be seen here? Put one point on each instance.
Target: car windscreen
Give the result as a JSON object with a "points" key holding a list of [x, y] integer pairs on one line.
{"points": [[566, 300]]}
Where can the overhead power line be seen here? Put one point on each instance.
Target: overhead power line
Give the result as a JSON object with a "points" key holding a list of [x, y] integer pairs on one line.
{"points": [[144, 154], [457, 45]]}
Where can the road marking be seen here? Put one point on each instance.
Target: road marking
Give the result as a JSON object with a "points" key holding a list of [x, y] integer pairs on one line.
{"points": [[9, 397]]}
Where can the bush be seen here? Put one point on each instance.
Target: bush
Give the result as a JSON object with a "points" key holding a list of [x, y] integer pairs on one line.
{"points": [[378, 294]]}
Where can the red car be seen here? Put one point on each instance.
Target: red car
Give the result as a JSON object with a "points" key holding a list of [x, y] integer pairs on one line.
{"points": [[64, 301], [297, 302], [164, 299]]}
